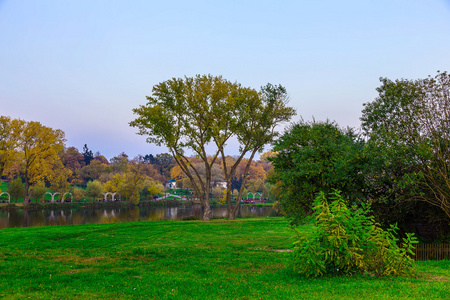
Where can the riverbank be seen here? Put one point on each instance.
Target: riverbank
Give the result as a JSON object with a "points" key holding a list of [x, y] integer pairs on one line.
{"points": [[90, 204], [110, 204], [244, 258]]}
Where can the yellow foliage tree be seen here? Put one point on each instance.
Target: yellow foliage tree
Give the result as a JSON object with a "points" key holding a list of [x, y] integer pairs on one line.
{"points": [[32, 146], [112, 186]]}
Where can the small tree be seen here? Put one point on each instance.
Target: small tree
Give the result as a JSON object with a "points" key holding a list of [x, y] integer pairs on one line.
{"points": [[94, 189], [78, 194], [39, 192], [16, 189]]}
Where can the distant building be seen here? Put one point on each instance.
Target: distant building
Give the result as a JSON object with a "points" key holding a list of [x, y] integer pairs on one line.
{"points": [[172, 184], [222, 184]]}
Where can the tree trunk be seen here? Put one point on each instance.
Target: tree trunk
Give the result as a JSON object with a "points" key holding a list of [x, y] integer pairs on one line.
{"points": [[28, 192], [234, 209], [207, 211]]}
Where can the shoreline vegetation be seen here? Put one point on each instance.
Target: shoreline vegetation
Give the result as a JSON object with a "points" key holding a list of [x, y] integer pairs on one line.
{"points": [[220, 259], [91, 204]]}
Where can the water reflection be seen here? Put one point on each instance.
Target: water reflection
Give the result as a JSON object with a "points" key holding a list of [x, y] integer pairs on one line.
{"points": [[26, 218]]}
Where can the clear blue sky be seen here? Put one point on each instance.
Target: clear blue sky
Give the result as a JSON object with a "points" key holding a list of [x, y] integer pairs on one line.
{"points": [[81, 66]]}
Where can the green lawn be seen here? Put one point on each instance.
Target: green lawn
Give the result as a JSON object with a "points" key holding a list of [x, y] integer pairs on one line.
{"points": [[240, 259], [3, 186]]}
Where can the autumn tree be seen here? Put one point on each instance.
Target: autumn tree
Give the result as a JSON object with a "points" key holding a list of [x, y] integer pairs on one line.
{"points": [[58, 178], [35, 149], [73, 160], [134, 181], [93, 171], [193, 113], [101, 158], [5, 142]]}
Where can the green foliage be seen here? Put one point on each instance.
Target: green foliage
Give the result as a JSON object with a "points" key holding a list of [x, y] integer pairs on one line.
{"points": [[196, 112], [94, 189], [39, 192], [409, 141], [346, 241], [313, 157], [16, 189]]}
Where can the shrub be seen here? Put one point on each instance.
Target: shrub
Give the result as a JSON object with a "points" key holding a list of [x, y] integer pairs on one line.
{"points": [[16, 189], [39, 192], [346, 241], [78, 194]]}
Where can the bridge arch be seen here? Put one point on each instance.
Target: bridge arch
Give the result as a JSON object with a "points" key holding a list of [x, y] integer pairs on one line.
{"points": [[9, 196], [53, 196], [64, 197]]}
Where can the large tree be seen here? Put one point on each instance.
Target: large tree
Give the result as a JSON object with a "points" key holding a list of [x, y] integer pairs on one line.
{"points": [[253, 122], [316, 157], [194, 113], [163, 162], [74, 161], [34, 147], [408, 127]]}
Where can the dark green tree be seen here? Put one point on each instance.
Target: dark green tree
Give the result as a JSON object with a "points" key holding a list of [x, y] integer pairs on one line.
{"points": [[87, 154], [407, 127], [149, 159], [313, 157], [163, 162]]}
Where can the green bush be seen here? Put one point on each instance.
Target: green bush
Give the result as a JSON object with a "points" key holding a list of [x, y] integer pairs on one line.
{"points": [[16, 189], [347, 240]]}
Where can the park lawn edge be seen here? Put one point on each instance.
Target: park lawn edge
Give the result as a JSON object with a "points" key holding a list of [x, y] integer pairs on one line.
{"points": [[220, 259]]}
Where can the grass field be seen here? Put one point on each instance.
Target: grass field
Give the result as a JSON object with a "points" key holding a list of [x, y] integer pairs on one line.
{"points": [[240, 259]]}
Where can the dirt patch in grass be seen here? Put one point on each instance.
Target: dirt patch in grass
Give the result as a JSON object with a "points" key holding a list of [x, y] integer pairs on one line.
{"points": [[274, 250], [438, 278]]}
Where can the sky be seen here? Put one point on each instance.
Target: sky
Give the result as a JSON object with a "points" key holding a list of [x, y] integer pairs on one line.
{"points": [[82, 65]]}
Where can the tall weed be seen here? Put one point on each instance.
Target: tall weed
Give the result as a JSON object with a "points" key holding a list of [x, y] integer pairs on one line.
{"points": [[348, 240]]}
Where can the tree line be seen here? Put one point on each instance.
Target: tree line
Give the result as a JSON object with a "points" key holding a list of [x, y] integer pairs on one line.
{"points": [[399, 162], [34, 157]]}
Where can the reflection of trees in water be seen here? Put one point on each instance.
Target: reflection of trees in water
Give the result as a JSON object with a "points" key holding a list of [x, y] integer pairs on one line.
{"points": [[59, 217], [4, 217], [153, 213], [24, 218], [219, 211]]}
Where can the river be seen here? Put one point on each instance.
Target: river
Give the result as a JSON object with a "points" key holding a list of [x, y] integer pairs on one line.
{"points": [[46, 217]]}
